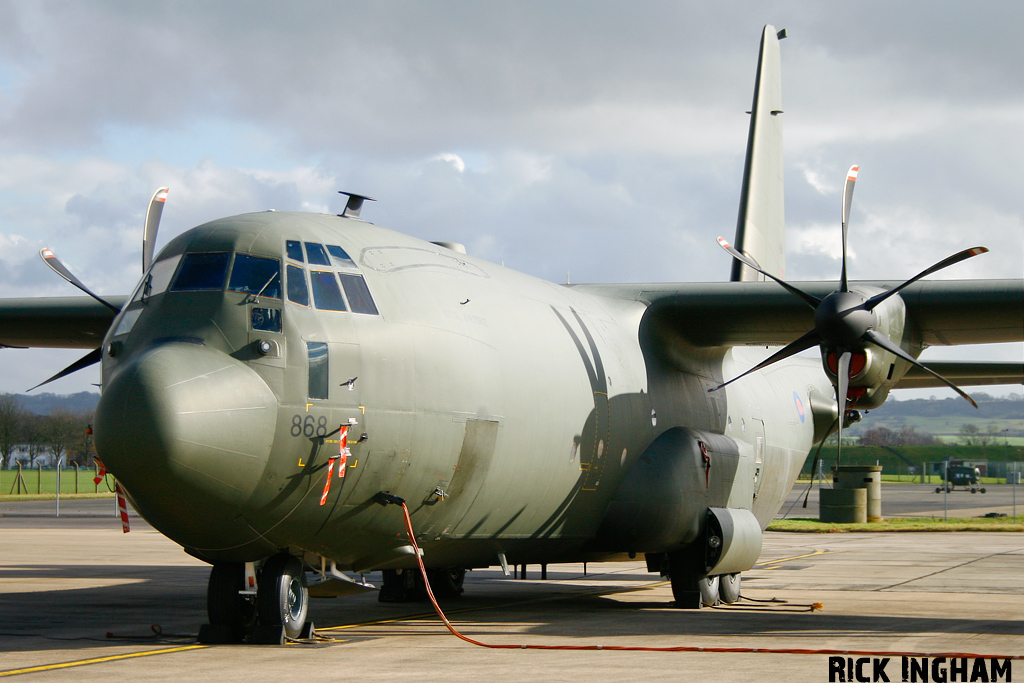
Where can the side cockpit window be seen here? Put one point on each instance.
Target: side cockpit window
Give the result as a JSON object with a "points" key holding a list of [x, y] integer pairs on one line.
{"points": [[325, 291], [293, 248], [340, 256], [316, 255], [297, 291], [359, 298], [255, 275], [337, 286], [201, 271]]}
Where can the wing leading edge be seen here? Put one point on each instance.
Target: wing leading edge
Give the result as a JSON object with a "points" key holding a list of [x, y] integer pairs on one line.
{"points": [[78, 322]]}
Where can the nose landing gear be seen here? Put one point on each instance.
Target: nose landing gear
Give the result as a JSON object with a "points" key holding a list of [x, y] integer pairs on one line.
{"points": [[276, 611]]}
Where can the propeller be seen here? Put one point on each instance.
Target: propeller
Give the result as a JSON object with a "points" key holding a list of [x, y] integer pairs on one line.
{"points": [[844, 321], [156, 207]]}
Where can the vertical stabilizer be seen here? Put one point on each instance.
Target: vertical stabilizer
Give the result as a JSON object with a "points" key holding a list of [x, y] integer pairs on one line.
{"points": [[760, 228]]}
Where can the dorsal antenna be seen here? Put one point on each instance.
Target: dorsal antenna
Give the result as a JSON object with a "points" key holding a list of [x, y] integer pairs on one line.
{"points": [[354, 205]]}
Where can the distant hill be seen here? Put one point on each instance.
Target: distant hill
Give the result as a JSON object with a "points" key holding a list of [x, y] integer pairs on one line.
{"points": [[946, 416], [44, 404]]}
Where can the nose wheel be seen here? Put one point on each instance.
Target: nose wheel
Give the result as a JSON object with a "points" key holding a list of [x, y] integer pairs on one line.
{"points": [[278, 610], [282, 599]]}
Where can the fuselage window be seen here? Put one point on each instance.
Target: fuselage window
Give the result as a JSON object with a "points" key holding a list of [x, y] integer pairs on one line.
{"points": [[325, 291], [340, 256], [265, 319], [201, 271], [316, 255], [258, 276], [297, 292], [358, 294], [294, 250], [318, 369]]}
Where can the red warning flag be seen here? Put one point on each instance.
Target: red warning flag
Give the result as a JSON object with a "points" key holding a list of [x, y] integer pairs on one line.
{"points": [[343, 452], [327, 484], [101, 473], [122, 506]]}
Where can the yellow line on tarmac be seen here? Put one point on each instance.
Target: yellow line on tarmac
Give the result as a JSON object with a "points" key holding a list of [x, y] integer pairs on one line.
{"points": [[774, 564], [98, 660]]}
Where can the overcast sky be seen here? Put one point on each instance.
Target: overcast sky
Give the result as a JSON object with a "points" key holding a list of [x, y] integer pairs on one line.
{"points": [[601, 139]]}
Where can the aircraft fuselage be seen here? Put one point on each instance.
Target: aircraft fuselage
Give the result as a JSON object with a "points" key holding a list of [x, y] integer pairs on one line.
{"points": [[507, 411]]}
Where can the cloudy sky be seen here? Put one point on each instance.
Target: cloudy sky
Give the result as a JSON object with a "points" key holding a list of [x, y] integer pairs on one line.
{"points": [[599, 139]]}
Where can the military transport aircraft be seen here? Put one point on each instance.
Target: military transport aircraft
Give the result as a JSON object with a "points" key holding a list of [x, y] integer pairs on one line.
{"points": [[277, 379]]}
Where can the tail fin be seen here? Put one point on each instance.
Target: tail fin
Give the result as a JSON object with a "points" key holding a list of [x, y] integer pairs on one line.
{"points": [[760, 228]]}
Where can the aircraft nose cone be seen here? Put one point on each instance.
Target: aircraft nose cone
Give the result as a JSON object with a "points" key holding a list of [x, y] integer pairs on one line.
{"points": [[188, 429]]}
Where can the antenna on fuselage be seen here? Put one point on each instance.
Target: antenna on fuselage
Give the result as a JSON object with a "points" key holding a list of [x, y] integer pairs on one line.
{"points": [[354, 205]]}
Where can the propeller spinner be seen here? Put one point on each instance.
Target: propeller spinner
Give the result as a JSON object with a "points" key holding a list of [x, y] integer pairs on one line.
{"points": [[844, 321]]}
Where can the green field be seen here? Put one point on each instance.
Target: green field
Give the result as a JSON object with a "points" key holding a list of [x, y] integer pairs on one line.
{"points": [[45, 482]]}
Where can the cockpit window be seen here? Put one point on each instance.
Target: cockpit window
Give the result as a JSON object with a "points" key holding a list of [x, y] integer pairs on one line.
{"points": [[255, 275], [358, 294], [294, 250], [297, 292], [156, 280], [316, 255], [340, 256], [325, 291], [201, 271]]}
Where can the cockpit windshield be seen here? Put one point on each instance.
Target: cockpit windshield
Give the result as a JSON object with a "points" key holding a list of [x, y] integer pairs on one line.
{"points": [[255, 275], [201, 270]]}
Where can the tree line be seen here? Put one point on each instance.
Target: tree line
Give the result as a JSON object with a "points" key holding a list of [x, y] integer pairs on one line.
{"points": [[60, 433]]}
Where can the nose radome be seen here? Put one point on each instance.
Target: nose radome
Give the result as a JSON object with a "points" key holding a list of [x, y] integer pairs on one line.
{"points": [[188, 429]]}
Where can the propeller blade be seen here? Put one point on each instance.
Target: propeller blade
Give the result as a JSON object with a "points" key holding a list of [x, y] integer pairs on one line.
{"points": [[805, 342], [811, 301], [91, 358], [817, 457], [50, 259], [887, 344], [955, 258], [842, 387], [851, 179], [156, 209]]}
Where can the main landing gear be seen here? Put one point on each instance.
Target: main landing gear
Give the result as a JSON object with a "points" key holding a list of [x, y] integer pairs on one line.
{"points": [[275, 611], [692, 590], [406, 585]]}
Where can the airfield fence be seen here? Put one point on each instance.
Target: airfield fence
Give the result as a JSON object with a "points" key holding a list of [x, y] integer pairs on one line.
{"points": [[39, 480]]}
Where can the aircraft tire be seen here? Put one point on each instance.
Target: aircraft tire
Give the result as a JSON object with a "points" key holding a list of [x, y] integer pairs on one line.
{"points": [[446, 583], [686, 582], [729, 588], [282, 598], [983, 490], [225, 608], [708, 587]]}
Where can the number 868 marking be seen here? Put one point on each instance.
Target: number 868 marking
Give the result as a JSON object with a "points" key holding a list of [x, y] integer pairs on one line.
{"points": [[308, 426]]}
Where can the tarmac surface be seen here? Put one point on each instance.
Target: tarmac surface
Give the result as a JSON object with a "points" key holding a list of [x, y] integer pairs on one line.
{"points": [[68, 582]]}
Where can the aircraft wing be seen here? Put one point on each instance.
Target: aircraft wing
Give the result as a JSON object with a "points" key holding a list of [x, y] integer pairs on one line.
{"points": [[939, 312], [964, 373], [78, 322]]}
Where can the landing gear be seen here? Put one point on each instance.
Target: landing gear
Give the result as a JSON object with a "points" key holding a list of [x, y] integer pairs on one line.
{"points": [[729, 588], [277, 611], [446, 583], [406, 585], [689, 589], [231, 615], [282, 598]]}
